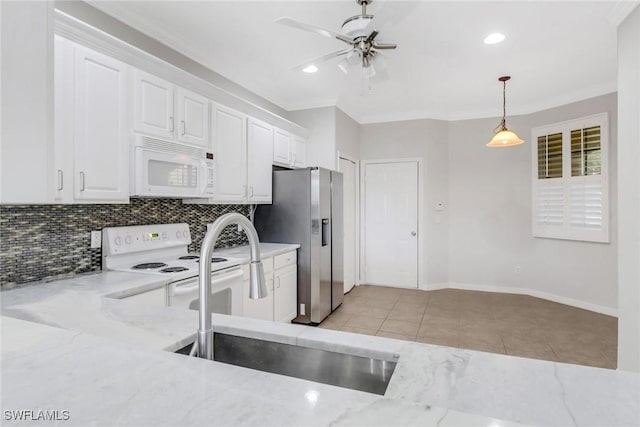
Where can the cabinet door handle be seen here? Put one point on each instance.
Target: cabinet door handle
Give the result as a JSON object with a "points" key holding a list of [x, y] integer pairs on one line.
{"points": [[251, 191], [81, 181], [60, 180], [172, 125], [278, 281], [184, 127]]}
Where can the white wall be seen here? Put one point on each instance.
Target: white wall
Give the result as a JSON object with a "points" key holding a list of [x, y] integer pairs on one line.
{"points": [[629, 193], [347, 135], [490, 217], [321, 145], [426, 139]]}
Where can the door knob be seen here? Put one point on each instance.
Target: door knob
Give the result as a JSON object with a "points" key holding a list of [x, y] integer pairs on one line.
{"points": [[413, 233]]}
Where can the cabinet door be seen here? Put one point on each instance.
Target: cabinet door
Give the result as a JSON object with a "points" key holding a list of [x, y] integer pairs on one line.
{"points": [[63, 121], [26, 131], [193, 118], [286, 293], [260, 153], [259, 308], [230, 151], [299, 152], [101, 169], [281, 151], [153, 101]]}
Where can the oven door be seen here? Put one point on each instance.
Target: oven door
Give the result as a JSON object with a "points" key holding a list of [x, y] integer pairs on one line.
{"points": [[174, 175], [226, 292]]}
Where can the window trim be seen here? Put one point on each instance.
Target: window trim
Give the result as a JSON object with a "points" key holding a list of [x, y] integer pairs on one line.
{"points": [[565, 230]]}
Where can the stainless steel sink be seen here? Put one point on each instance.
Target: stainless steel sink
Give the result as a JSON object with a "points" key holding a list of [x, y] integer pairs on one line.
{"points": [[322, 366]]}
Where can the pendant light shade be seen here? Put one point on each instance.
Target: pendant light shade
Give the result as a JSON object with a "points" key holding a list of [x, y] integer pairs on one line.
{"points": [[504, 137]]}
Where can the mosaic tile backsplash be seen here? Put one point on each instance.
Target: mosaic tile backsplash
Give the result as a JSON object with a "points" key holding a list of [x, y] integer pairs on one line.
{"points": [[42, 242]]}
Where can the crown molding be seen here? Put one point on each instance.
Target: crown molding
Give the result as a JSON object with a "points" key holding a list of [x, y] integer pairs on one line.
{"points": [[621, 10]]}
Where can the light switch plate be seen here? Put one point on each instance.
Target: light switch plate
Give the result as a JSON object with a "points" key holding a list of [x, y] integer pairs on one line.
{"points": [[96, 239]]}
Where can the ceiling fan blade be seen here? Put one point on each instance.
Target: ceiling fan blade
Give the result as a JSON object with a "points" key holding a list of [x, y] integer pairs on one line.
{"points": [[290, 22], [320, 59], [383, 46]]}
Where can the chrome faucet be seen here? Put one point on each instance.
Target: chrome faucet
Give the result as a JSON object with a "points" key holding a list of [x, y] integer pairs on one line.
{"points": [[257, 287]]}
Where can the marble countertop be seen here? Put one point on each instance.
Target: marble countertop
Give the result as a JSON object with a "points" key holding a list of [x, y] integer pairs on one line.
{"points": [[70, 345]]}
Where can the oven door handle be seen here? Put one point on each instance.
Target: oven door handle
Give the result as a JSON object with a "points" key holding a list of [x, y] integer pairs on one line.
{"points": [[181, 290]]}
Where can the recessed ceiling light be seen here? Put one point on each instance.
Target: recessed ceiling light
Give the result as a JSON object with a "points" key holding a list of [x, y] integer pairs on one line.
{"points": [[494, 38], [310, 69]]}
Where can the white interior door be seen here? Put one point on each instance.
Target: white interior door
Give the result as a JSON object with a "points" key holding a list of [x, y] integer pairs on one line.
{"points": [[348, 169], [391, 224]]}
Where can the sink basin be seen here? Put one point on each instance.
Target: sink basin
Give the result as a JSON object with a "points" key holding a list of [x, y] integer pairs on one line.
{"points": [[322, 366]]}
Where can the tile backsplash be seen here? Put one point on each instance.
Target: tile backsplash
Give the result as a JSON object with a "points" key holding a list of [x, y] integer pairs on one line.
{"points": [[41, 242]]}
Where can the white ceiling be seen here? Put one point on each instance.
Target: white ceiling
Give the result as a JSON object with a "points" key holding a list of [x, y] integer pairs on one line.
{"points": [[556, 52]]}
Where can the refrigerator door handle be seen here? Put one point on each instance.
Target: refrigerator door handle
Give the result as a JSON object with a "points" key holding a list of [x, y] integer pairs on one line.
{"points": [[325, 231]]}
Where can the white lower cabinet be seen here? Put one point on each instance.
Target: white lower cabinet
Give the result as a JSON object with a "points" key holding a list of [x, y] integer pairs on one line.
{"points": [[91, 161], [285, 282], [281, 274]]}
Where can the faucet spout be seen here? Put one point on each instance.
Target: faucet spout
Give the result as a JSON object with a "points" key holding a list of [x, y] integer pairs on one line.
{"points": [[257, 287]]}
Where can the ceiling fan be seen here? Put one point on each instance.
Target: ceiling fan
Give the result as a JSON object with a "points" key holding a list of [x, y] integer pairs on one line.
{"points": [[358, 33]]}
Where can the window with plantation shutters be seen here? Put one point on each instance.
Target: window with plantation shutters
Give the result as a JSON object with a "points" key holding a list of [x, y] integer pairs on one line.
{"points": [[570, 180]]}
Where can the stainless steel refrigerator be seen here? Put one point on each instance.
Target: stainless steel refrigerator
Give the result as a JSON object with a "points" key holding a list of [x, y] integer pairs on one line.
{"points": [[307, 209]]}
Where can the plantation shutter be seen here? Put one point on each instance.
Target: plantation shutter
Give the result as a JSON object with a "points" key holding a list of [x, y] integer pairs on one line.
{"points": [[570, 187]]}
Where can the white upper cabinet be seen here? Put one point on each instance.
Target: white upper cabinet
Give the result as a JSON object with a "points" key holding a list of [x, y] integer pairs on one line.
{"points": [[243, 149], [230, 150], [168, 111], [100, 122], [281, 151], [260, 150], [289, 150], [154, 105], [26, 132], [90, 154], [193, 118], [299, 152]]}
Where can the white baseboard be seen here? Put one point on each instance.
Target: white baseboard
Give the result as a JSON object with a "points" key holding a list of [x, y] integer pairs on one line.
{"points": [[609, 311], [434, 286]]}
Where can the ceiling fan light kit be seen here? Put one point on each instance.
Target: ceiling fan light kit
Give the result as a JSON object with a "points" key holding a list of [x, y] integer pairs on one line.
{"points": [[356, 31], [504, 137]]}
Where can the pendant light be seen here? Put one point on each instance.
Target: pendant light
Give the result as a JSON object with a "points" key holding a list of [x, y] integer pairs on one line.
{"points": [[504, 137]]}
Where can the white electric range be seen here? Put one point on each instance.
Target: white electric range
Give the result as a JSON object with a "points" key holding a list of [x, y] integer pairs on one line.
{"points": [[162, 249]]}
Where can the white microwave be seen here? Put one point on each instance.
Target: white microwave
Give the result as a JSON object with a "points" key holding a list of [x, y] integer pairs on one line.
{"points": [[167, 169]]}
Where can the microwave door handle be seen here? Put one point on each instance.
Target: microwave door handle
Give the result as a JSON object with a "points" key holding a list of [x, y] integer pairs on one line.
{"points": [[204, 167]]}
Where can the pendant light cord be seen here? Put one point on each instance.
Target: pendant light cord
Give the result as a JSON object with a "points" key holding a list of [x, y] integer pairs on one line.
{"points": [[504, 105], [503, 123]]}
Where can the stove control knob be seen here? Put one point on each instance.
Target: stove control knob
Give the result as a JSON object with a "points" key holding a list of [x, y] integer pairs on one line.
{"points": [[178, 234], [185, 234], [117, 241], [128, 240]]}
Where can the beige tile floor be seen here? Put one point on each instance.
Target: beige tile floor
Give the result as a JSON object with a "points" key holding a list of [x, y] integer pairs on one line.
{"points": [[510, 324]]}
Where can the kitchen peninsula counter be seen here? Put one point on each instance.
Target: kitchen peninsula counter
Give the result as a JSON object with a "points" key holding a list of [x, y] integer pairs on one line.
{"points": [[70, 345]]}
